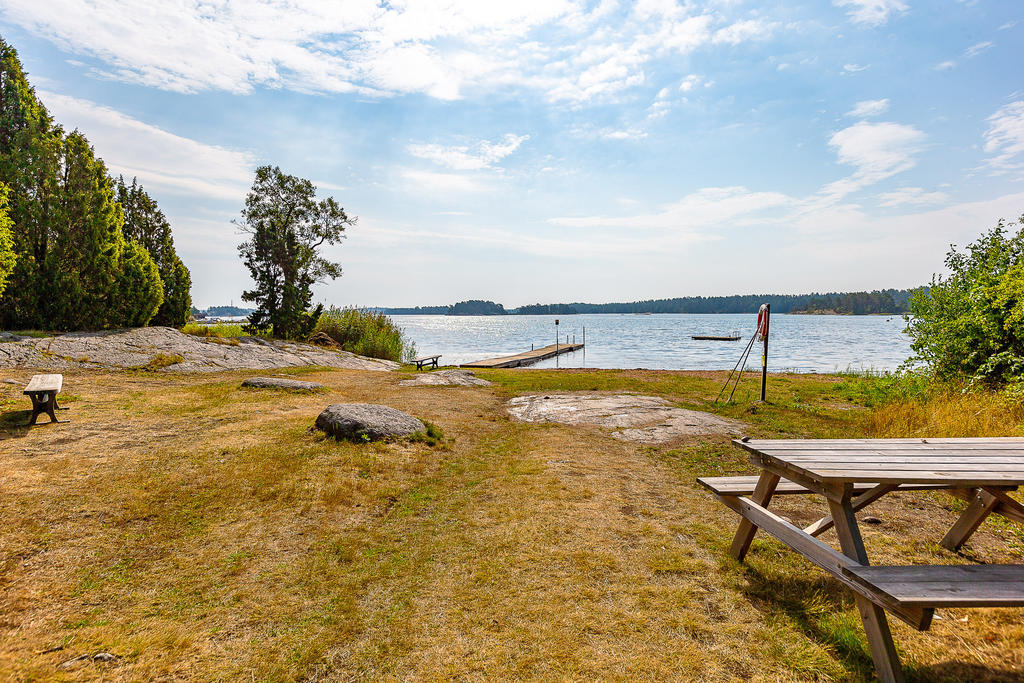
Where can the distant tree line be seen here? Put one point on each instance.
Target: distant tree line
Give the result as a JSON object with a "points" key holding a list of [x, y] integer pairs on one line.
{"points": [[78, 249], [889, 301], [883, 302]]}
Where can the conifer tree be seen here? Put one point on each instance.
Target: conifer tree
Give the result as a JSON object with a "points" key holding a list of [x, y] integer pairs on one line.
{"points": [[287, 225], [66, 225], [7, 255], [146, 223]]}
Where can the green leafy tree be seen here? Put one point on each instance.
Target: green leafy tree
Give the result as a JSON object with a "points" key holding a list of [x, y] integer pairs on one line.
{"points": [[146, 223], [8, 257], [971, 322], [286, 227]]}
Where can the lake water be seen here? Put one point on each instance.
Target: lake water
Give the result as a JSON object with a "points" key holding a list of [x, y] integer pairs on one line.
{"points": [[801, 343]]}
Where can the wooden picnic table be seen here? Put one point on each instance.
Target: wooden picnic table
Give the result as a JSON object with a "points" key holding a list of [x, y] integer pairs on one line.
{"points": [[853, 473]]}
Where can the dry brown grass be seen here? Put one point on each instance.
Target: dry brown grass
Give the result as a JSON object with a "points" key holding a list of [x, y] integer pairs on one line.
{"points": [[950, 413], [198, 531]]}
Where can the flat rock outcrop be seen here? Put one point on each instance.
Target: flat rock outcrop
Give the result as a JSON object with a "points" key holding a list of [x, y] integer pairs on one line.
{"points": [[359, 421], [645, 419], [281, 383], [165, 348], [460, 378]]}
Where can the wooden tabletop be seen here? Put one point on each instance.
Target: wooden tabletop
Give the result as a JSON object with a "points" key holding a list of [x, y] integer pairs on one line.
{"points": [[950, 462]]}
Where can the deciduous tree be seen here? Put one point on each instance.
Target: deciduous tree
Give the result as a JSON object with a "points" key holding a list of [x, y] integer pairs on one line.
{"points": [[287, 226]]}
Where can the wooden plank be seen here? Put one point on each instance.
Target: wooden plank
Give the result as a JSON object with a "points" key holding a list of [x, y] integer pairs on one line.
{"points": [[904, 458], [924, 441], [967, 479], [744, 486], [40, 383], [526, 358], [946, 585], [766, 483], [822, 555]]}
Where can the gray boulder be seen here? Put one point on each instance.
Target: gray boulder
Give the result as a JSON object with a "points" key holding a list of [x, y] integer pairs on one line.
{"points": [[356, 421], [281, 383]]}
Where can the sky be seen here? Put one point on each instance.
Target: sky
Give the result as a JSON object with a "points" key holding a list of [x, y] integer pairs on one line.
{"points": [[557, 150]]}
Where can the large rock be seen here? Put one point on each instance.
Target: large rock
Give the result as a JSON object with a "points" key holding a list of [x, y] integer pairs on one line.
{"points": [[149, 346], [281, 383], [441, 378], [646, 419], [359, 421]]}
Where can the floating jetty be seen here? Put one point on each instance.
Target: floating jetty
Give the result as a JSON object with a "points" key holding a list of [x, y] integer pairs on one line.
{"points": [[710, 337], [525, 358]]}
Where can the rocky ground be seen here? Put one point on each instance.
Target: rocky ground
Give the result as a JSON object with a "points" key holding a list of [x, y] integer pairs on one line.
{"points": [[645, 419], [164, 348]]}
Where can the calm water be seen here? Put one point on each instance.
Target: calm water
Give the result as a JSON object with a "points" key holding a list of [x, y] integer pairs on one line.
{"points": [[803, 343]]}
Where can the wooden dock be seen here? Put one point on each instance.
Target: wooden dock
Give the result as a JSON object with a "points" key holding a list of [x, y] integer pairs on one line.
{"points": [[525, 358]]}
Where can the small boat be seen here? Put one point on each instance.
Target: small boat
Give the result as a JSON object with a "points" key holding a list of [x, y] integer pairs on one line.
{"points": [[712, 337]]}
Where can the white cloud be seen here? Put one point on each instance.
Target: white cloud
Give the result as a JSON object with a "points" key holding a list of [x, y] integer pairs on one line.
{"points": [[1007, 25], [866, 108], [975, 50], [910, 196], [876, 150], [945, 66], [483, 154], [703, 211], [571, 50], [160, 159], [871, 12], [853, 68], [1005, 137], [690, 82], [743, 31], [433, 183]]}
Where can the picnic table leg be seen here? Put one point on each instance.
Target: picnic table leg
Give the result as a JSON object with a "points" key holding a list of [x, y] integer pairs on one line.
{"points": [[38, 406], [876, 626], [980, 508], [763, 493]]}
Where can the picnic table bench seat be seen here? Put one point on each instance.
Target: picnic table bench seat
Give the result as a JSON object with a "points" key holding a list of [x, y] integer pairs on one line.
{"points": [[426, 360], [941, 586]]}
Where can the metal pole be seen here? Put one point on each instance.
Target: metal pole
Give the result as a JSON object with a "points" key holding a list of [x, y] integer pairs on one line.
{"points": [[556, 342], [764, 354]]}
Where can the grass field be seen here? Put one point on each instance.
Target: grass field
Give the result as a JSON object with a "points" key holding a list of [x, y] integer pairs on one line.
{"points": [[197, 530]]}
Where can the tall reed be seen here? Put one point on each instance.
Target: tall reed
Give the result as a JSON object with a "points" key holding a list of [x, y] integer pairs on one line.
{"points": [[366, 332]]}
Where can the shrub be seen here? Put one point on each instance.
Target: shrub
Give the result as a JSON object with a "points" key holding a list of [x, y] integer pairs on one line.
{"points": [[214, 330], [970, 324], [365, 332]]}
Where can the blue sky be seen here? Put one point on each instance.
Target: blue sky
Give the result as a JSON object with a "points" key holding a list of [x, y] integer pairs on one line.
{"points": [[557, 150]]}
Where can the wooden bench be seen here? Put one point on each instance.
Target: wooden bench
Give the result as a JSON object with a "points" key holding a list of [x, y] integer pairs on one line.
{"points": [[426, 360], [43, 390]]}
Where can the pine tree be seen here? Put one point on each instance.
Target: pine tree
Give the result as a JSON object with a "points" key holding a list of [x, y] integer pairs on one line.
{"points": [[146, 223], [287, 226], [8, 257]]}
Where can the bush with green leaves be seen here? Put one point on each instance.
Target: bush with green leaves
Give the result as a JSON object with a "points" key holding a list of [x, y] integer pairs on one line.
{"points": [[367, 333], [970, 323]]}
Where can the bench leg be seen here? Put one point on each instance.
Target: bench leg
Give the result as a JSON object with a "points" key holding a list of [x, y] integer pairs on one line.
{"points": [[859, 503], [980, 508], [763, 493], [876, 626]]}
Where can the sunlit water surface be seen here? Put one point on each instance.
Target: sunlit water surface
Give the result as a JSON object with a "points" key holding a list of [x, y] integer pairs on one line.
{"points": [[801, 343]]}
